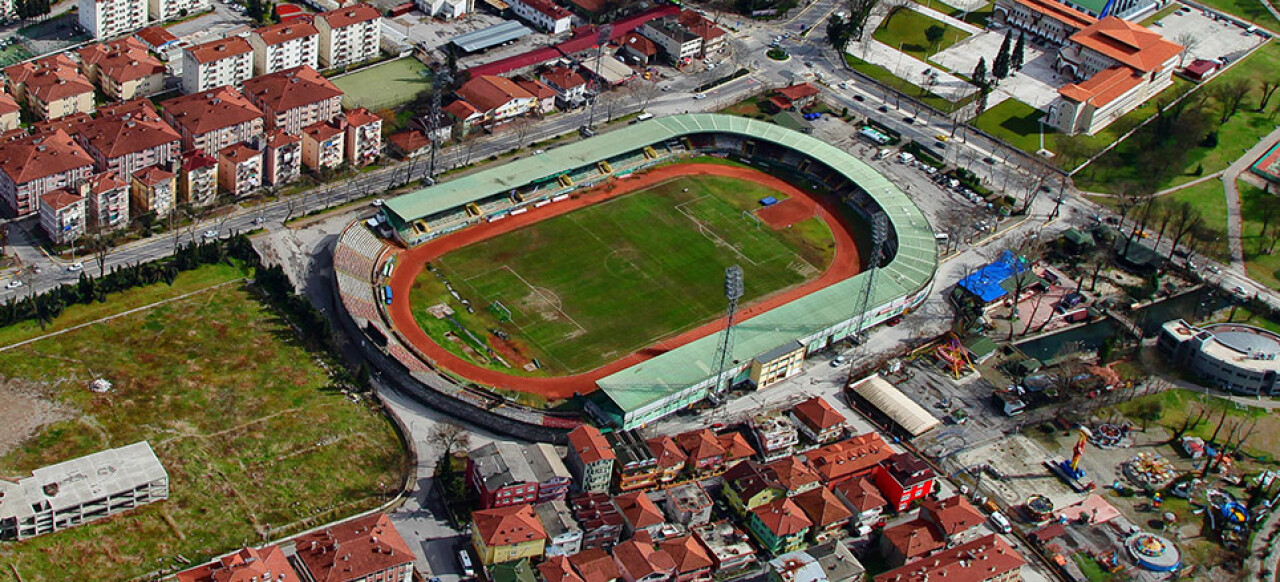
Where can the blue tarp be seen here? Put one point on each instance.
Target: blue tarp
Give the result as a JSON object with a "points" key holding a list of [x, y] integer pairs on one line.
{"points": [[985, 283], [770, 201]]}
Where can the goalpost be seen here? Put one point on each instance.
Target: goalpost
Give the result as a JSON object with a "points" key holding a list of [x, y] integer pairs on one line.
{"points": [[751, 216], [500, 311]]}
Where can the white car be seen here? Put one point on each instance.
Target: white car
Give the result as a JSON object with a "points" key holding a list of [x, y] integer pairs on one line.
{"points": [[73, 267], [211, 233], [14, 284], [1001, 523], [700, 96], [379, 201]]}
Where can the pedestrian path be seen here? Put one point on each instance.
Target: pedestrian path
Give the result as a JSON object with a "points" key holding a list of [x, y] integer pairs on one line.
{"points": [[1235, 224]]}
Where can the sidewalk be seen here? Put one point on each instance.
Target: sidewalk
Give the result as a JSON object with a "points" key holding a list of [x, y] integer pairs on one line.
{"points": [[1235, 224]]}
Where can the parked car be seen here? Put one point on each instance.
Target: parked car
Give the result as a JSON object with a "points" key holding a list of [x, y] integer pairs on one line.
{"points": [[1001, 523]]}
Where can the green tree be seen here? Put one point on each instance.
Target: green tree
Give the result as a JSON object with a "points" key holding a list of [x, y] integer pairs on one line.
{"points": [[1000, 66], [1015, 59], [934, 35], [839, 34], [979, 77]]}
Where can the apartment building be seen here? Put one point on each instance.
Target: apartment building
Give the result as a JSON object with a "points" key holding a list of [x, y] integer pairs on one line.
{"points": [[282, 158], [817, 420], [295, 98], [775, 435], [564, 537], [590, 459], [239, 169], [349, 35], [544, 97], [287, 45], [213, 120], [497, 98], [198, 179], [10, 113], [712, 36], [170, 9], [508, 474], [364, 549], [130, 140], [602, 523], [108, 201], [570, 87], [227, 61], [33, 166], [108, 18], [507, 534], [637, 466], [52, 87], [364, 137], [62, 216], [268, 563], [854, 457], [987, 559], [677, 43], [123, 69], [548, 16], [78, 491], [324, 144], [154, 190]]}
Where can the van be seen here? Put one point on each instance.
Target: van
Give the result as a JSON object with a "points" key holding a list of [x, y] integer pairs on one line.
{"points": [[465, 561], [906, 158], [1001, 523]]}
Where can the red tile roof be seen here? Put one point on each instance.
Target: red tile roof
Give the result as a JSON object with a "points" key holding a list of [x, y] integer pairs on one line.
{"points": [[267, 563], [783, 517], [547, 8], [537, 88], [413, 140], [285, 32], [589, 444], [238, 153], [591, 6], [982, 559], [152, 175], [321, 131], [349, 15], [70, 124], [59, 199], [51, 78], [360, 116], [735, 446], [156, 36], [849, 457], [643, 559], [196, 159], [793, 474], [104, 182], [39, 156], [952, 515], [822, 507], [816, 412], [594, 565], [21, 72], [861, 493], [280, 138], [8, 104], [687, 554], [353, 549], [630, 23], [128, 132], [200, 113], [220, 49], [1129, 43], [1202, 67], [700, 444], [124, 59], [666, 451], [534, 57], [703, 28], [563, 77], [1104, 87], [1060, 12], [797, 92], [749, 478], [640, 44], [641, 512], [505, 526], [488, 92], [290, 88], [558, 569], [461, 110], [914, 538]]}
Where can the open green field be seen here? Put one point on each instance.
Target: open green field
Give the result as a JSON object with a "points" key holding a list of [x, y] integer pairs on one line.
{"points": [[384, 86], [1178, 404], [256, 442], [906, 28], [598, 283]]}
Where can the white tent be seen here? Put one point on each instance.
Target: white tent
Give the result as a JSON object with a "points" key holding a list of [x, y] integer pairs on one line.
{"points": [[897, 406]]}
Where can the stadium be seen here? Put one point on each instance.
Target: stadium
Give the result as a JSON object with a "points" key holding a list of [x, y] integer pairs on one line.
{"points": [[595, 270]]}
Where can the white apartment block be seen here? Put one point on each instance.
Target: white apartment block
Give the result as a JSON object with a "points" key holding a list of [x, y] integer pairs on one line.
{"points": [[62, 216], [285, 46], [364, 137], [107, 18], [171, 9], [545, 14], [34, 166], [227, 61], [108, 201], [676, 41], [349, 35]]}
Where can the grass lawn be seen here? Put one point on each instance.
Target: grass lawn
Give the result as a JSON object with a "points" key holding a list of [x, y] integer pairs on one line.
{"points": [[1251, 10], [1091, 569], [1264, 267], [1178, 404], [384, 86], [657, 256], [887, 77], [906, 29], [256, 443], [1211, 200]]}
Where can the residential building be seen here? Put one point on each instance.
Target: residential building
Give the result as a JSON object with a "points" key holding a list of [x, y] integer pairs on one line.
{"points": [[52, 87], [10, 113], [692, 561], [641, 561], [640, 513], [544, 97], [779, 526], [108, 201], [818, 421], [590, 459], [903, 478], [464, 115], [123, 69], [198, 179], [669, 459], [678, 44], [172, 9], [939, 525], [736, 448], [854, 457], [226, 61], [497, 98], [750, 485], [602, 523], [777, 364], [364, 137], [727, 545], [504, 473], [954, 518], [558, 569], [564, 537], [324, 145], [516, 571], [703, 451], [794, 476], [863, 500], [88, 488], [548, 16], [62, 216], [69, 125], [712, 36], [268, 563], [637, 49], [364, 549], [775, 435], [108, 18], [445, 9], [508, 533], [987, 559], [33, 166], [570, 87], [282, 157], [828, 514], [285, 46], [688, 504], [410, 144], [349, 35], [594, 565], [154, 190], [828, 562], [1118, 66], [131, 140], [794, 97], [213, 120], [239, 170], [158, 40], [637, 465], [295, 98]]}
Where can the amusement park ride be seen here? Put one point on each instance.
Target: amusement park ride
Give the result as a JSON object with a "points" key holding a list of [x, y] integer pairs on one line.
{"points": [[1070, 471], [955, 357]]}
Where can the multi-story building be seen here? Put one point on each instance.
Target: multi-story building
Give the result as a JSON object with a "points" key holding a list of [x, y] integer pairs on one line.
{"points": [[364, 137], [1047, 20], [108, 201], [284, 46], [779, 526], [594, 565], [775, 435], [62, 216], [282, 157], [827, 513], [637, 466], [548, 16], [70, 493], [750, 485], [445, 9], [108, 18], [736, 448], [349, 35], [154, 190], [132, 139], [590, 459], [601, 522], [33, 166], [123, 69], [712, 36], [198, 180], [570, 87], [903, 478], [564, 537], [496, 98], [464, 116], [212, 120], [10, 113], [669, 459], [794, 476], [239, 169], [558, 569], [52, 87], [268, 563], [1232, 356], [642, 561], [364, 549], [171, 9], [817, 420], [505, 473], [295, 98], [640, 513], [226, 61], [677, 43], [987, 559], [544, 97], [854, 457], [777, 364], [828, 562], [688, 504], [727, 545], [940, 524], [692, 561], [324, 143], [702, 449], [864, 501], [507, 534]]}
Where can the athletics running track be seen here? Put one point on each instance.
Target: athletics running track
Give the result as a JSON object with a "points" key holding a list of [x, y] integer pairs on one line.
{"points": [[800, 205]]}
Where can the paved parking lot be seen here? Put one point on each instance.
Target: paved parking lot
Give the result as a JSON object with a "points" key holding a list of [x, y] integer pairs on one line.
{"points": [[1214, 39]]}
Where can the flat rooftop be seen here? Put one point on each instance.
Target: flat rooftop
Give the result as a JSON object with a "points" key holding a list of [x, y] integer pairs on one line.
{"points": [[492, 36], [83, 480]]}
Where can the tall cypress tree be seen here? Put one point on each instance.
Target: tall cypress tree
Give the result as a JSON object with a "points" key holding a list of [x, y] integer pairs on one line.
{"points": [[1015, 59], [1000, 66], [980, 73]]}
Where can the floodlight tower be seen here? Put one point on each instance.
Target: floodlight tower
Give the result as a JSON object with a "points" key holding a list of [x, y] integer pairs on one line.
{"points": [[733, 289], [879, 234], [442, 80], [602, 39]]}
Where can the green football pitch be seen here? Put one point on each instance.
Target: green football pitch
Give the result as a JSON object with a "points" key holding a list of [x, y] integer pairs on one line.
{"points": [[584, 288]]}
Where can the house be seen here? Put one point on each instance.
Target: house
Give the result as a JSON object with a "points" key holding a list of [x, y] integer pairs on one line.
{"points": [[33, 166], [779, 526], [854, 457], [712, 36], [564, 537], [516, 571], [939, 525], [226, 61], [1201, 69], [108, 18], [154, 190], [727, 545], [640, 513], [464, 115], [508, 533], [637, 49], [692, 561], [863, 500], [52, 87], [108, 202], [548, 16], [703, 451], [10, 113], [62, 216], [594, 565], [828, 562], [213, 120], [670, 461], [158, 40], [793, 98], [775, 435], [818, 421], [324, 144], [294, 98], [602, 523], [688, 504], [903, 478], [558, 569], [544, 97], [285, 46], [570, 87], [987, 559], [590, 459], [794, 476], [161, 10], [282, 158], [198, 179], [497, 98], [268, 563], [736, 448], [349, 35], [132, 139], [908, 541], [678, 44], [239, 170], [123, 69], [954, 518], [363, 549], [637, 465], [828, 514], [505, 473], [641, 561], [749, 485], [364, 137], [410, 144]]}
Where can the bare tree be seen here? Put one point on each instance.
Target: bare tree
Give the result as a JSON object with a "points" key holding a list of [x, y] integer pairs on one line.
{"points": [[1189, 43], [1230, 94], [100, 242], [1186, 220], [1268, 88], [521, 126], [1025, 253], [448, 437], [643, 92], [1189, 423]]}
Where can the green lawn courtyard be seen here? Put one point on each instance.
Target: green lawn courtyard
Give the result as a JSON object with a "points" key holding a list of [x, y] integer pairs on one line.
{"points": [[384, 86], [906, 28]]}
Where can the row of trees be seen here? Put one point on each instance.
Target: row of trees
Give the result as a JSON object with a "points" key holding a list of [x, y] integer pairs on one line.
{"points": [[31, 8]]}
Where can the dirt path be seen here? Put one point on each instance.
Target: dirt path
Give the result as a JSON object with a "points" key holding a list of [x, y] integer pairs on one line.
{"points": [[410, 264]]}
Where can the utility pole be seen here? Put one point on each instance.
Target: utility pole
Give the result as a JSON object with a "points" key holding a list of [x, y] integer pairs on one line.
{"points": [[602, 39], [442, 79]]}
